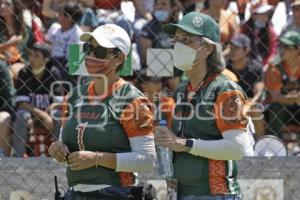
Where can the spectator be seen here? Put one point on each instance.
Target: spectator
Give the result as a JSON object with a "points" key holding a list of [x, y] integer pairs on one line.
{"points": [[294, 22], [61, 34], [249, 72], [50, 11], [109, 12], [283, 84], [15, 36], [89, 19], [7, 104], [34, 96], [152, 88], [87, 22], [143, 14], [242, 8], [261, 32], [31, 15], [187, 6], [228, 21], [152, 35], [144, 9], [50, 8]]}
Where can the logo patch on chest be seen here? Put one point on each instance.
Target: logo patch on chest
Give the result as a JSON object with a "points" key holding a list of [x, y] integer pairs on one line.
{"points": [[87, 115]]}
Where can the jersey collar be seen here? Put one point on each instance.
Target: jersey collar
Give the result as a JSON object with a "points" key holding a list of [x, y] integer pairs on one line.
{"points": [[204, 83], [111, 89]]}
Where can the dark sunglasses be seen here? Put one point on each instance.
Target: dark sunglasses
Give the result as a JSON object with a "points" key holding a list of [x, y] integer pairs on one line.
{"points": [[99, 51]]}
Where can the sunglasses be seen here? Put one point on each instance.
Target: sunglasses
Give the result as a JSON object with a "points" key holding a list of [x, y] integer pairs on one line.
{"points": [[99, 51], [184, 39]]}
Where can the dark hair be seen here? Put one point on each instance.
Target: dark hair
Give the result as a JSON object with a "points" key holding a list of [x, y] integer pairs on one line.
{"points": [[215, 61], [172, 2], [34, 6], [115, 51], [18, 22], [206, 4], [43, 48], [73, 10]]}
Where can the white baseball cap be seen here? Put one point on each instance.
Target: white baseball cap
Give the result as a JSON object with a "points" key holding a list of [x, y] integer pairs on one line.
{"points": [[109, 36], [263, 9]]}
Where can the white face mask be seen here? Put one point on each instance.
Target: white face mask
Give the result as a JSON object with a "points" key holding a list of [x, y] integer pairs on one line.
{"points": [[184, 56], [161, 15], [199, 6]]}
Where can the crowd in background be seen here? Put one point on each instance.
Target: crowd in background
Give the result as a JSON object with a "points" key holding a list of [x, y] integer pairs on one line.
{"points": [[260, 38]]}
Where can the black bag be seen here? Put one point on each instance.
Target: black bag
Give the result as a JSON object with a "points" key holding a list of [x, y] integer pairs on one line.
{"points": [[143, 191]]}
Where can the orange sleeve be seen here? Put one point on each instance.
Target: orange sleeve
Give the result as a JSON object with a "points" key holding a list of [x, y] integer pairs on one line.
{"points": [[137, 118], [167, 107], [230, 111], [273, 80]]}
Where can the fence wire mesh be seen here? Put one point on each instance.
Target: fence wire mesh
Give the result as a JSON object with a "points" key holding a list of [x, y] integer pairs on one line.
{"points": [[34, 50]]}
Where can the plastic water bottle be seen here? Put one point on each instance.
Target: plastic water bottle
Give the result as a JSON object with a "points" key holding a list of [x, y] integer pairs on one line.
{"points": [[2, 153], [164, 157]]}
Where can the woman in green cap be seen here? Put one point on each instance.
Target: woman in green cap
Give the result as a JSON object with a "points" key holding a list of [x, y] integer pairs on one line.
{"points": [[209, 129], [282, 80]]}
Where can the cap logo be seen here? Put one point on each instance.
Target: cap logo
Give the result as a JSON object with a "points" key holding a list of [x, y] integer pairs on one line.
{"points": [[198, 21], [108, 29]]}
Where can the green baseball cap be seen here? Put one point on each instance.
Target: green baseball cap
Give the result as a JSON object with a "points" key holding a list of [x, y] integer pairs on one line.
{"points": [[290, 38], [198, 24]]}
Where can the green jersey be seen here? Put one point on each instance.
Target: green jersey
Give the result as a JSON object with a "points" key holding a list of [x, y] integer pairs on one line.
{"points": [[103, 124], [215, 104]]}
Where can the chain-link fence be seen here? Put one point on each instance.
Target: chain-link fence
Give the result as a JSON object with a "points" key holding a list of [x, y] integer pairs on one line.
{"points": [[33, 178], [38, 68]]}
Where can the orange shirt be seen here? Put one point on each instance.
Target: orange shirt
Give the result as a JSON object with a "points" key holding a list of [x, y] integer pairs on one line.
{"points": [[273, 77]]}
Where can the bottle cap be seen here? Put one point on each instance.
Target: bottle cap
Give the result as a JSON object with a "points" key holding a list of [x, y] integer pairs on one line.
{"points": [[163, 122]]}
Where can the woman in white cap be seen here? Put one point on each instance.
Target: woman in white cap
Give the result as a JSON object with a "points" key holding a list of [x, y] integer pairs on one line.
{"points": [[108, 133], [209, 128]]}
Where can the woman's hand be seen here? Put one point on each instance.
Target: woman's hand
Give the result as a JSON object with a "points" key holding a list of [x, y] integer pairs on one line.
{"points": [[82, 160], [58, 150], [164, 137]]}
